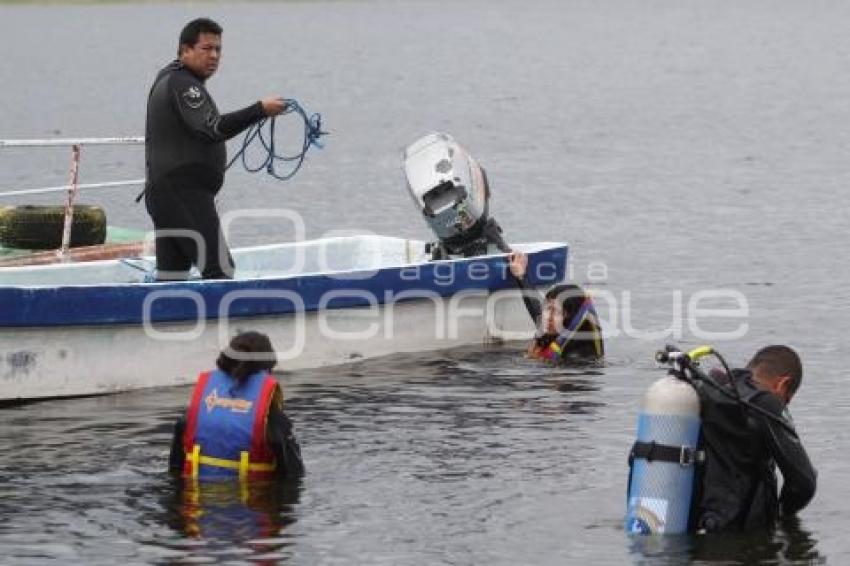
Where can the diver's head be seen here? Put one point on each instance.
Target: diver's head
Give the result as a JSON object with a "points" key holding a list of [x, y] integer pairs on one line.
{"points": [[561, 305], [248, 353], [777, 369]]}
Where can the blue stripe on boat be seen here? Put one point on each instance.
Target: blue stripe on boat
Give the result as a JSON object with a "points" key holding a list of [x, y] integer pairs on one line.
{"points": [[37, 306]]}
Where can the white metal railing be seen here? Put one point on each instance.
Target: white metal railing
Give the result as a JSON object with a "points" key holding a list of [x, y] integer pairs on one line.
{"points": [[60, 188], [65, 142], [73, 187]]}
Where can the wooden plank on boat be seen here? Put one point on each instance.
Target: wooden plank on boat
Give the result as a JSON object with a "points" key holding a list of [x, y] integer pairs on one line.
{"points": [[81, 254]]}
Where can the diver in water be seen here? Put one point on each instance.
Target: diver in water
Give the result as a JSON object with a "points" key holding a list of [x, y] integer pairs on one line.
{"points": [[235, 425], [743, 446], [567, 324]]}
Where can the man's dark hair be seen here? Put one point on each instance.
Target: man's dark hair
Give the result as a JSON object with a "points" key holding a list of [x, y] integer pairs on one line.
{"points": [[193, 30], [776, 361], [258, 355]]}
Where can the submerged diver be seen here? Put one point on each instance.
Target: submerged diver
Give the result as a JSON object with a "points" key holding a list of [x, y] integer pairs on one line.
{"points": [[567, 324], [743, 447], [235, 425]]}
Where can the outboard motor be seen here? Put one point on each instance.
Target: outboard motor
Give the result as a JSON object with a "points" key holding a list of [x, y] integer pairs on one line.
{"points": [[450, 189], [664, 458]]}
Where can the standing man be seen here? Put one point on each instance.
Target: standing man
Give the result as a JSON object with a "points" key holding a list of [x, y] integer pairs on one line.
{"points": [[185, 156]]}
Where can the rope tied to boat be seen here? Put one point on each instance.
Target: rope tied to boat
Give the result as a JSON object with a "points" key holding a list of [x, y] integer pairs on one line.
{"points": [[266, 136]]}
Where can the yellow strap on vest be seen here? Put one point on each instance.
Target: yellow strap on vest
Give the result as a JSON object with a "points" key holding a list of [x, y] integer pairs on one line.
{"points": [[194, 459], [597, 338], [243, 465]]}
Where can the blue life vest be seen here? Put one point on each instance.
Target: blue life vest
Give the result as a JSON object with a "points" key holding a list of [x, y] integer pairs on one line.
{"points": [[226, 427]]}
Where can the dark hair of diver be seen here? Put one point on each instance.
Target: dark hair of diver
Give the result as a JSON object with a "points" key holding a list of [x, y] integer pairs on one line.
{"points": [[258, 355], [192, 31], [571, 298], [776, 361]]}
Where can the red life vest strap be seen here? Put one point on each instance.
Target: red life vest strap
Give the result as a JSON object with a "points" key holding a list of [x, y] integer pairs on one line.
{"points": [[259, 447], [192, 413]]}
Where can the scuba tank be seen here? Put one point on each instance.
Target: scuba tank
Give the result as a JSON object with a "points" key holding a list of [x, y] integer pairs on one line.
{"points": [[663, 460]]}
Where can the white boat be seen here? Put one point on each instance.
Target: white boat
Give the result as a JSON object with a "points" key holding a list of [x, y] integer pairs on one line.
{"points": [[98, 327], [95, 327]]}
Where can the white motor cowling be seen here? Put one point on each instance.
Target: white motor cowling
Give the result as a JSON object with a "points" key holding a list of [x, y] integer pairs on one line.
{"points": [[451, 191]]}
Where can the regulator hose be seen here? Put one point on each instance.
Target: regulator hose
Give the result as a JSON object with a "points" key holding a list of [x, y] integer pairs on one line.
{"points": [[686, 369]]}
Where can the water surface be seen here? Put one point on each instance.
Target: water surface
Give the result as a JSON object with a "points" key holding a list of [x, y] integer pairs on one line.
{"points": [[679, 147]]}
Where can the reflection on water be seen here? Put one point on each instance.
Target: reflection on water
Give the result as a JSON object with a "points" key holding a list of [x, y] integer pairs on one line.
{"points": [[473, 455], [403, 448], [231, 515], [789, 544]]}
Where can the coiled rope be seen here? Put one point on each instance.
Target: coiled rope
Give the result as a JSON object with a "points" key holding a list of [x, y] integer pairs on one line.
{"points": [[266, 136], [312, 133]]}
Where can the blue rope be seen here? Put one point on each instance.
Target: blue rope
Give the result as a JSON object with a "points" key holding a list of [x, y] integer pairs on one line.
{"points": [[312, 133]]}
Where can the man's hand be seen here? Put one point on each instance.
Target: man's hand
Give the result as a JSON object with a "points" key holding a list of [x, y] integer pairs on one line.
{"points": [[273, 105], [519, 264]]}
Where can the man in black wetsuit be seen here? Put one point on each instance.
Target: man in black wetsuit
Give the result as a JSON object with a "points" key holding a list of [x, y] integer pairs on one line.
{"points": [[743, 447], [185, 156]]}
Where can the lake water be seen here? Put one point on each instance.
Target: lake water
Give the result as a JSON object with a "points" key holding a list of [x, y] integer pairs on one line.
{"points": [[680, 147]]}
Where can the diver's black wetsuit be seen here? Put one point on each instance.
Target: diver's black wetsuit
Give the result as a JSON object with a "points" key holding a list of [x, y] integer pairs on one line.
{"points": [[738, 490], [185, 162], [280, 438]]}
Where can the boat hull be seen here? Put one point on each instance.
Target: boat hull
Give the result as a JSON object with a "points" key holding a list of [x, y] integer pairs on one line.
{"points": [[72, 361], [93, 338]]}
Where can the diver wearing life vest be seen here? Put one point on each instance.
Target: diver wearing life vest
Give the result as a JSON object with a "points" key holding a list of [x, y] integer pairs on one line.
{"points": [[235, 426], [567, 323]]}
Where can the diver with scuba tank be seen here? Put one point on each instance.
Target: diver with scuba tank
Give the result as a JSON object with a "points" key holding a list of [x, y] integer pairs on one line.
{"points": [[709, 444]]}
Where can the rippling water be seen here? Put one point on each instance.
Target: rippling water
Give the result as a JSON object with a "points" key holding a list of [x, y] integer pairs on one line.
{"points": [[679, 147]]}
